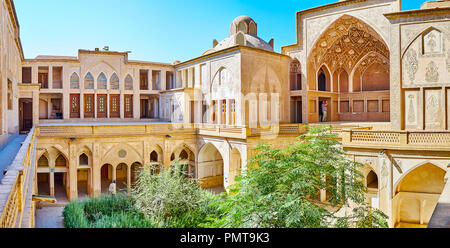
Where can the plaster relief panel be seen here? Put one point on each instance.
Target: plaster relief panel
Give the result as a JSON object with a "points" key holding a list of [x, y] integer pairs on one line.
{"points": [[448, 108], [412, 109], [432, 73], [433, 109], [432, 42], [426, 60], [411, 64], [448, 60]]}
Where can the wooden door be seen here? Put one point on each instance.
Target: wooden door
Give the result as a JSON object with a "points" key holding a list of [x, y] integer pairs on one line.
{"points": [[299, 112], [144, 108], [89, 106], [27, 116], [74, 105], [128, 111], [114, 103], [102, 106], [104, 171]]}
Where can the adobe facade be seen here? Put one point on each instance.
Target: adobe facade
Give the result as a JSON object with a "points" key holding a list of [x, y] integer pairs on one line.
{"points": [[383, 72]]}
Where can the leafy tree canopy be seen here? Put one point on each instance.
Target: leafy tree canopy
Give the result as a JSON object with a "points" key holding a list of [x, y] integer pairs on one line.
{"points": [[281, 188]]}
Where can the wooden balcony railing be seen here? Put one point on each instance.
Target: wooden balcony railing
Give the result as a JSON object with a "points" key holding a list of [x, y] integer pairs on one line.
{"points": [[18, 186], [423, 140], [238, 132], [69, 131]]}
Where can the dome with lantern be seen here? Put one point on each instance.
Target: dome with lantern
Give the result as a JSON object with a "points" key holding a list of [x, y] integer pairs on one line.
{"points": [[244, 32]]}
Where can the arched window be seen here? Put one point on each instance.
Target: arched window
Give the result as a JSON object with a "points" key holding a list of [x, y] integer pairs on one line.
{"points": [[128, 83], [60, 161], [184, 155], [242, 26], [252, 28], [372, 180], [89, 81], [114, 82], [43, 161], [322, 81], [295, 75], [74, 81], [172, 157], [154, 156], [343, 82], [84, 160], [101, 81]]}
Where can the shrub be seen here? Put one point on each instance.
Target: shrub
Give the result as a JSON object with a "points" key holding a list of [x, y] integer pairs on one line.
{"points": [[170, 199], [105, 211]]}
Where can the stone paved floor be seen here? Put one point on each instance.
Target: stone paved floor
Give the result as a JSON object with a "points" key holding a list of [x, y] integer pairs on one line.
{"points": [[49, 217]]}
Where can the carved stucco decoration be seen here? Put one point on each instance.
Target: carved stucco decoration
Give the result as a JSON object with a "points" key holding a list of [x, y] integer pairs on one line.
{"points": [[345, 43], [122, 154], [295, 66], [432, 42], [371, 59], [412, 64], [432, 73], [448, 60], [411, 112], [384, 175], [432, 107]]}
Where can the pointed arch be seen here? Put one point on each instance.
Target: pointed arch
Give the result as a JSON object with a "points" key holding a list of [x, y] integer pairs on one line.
{"points": [[184, 155], [43, 161], [419, 35], [89, 81], [61, 161], [372, 180], [210, 167], [417, 194], [83, 159], [252, 29], [114, 82], [102, 81], [342, 44], [156, 154], [113, 155], [128, 82], [235, 165], [344, 83], [323, 79], [74, 81]]}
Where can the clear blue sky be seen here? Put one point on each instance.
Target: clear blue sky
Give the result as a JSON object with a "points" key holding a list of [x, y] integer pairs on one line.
{"points": [[154, 30]]}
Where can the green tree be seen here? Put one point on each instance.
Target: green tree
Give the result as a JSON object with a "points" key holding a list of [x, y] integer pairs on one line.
{"points": [[171, 199], [281, 188]]}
